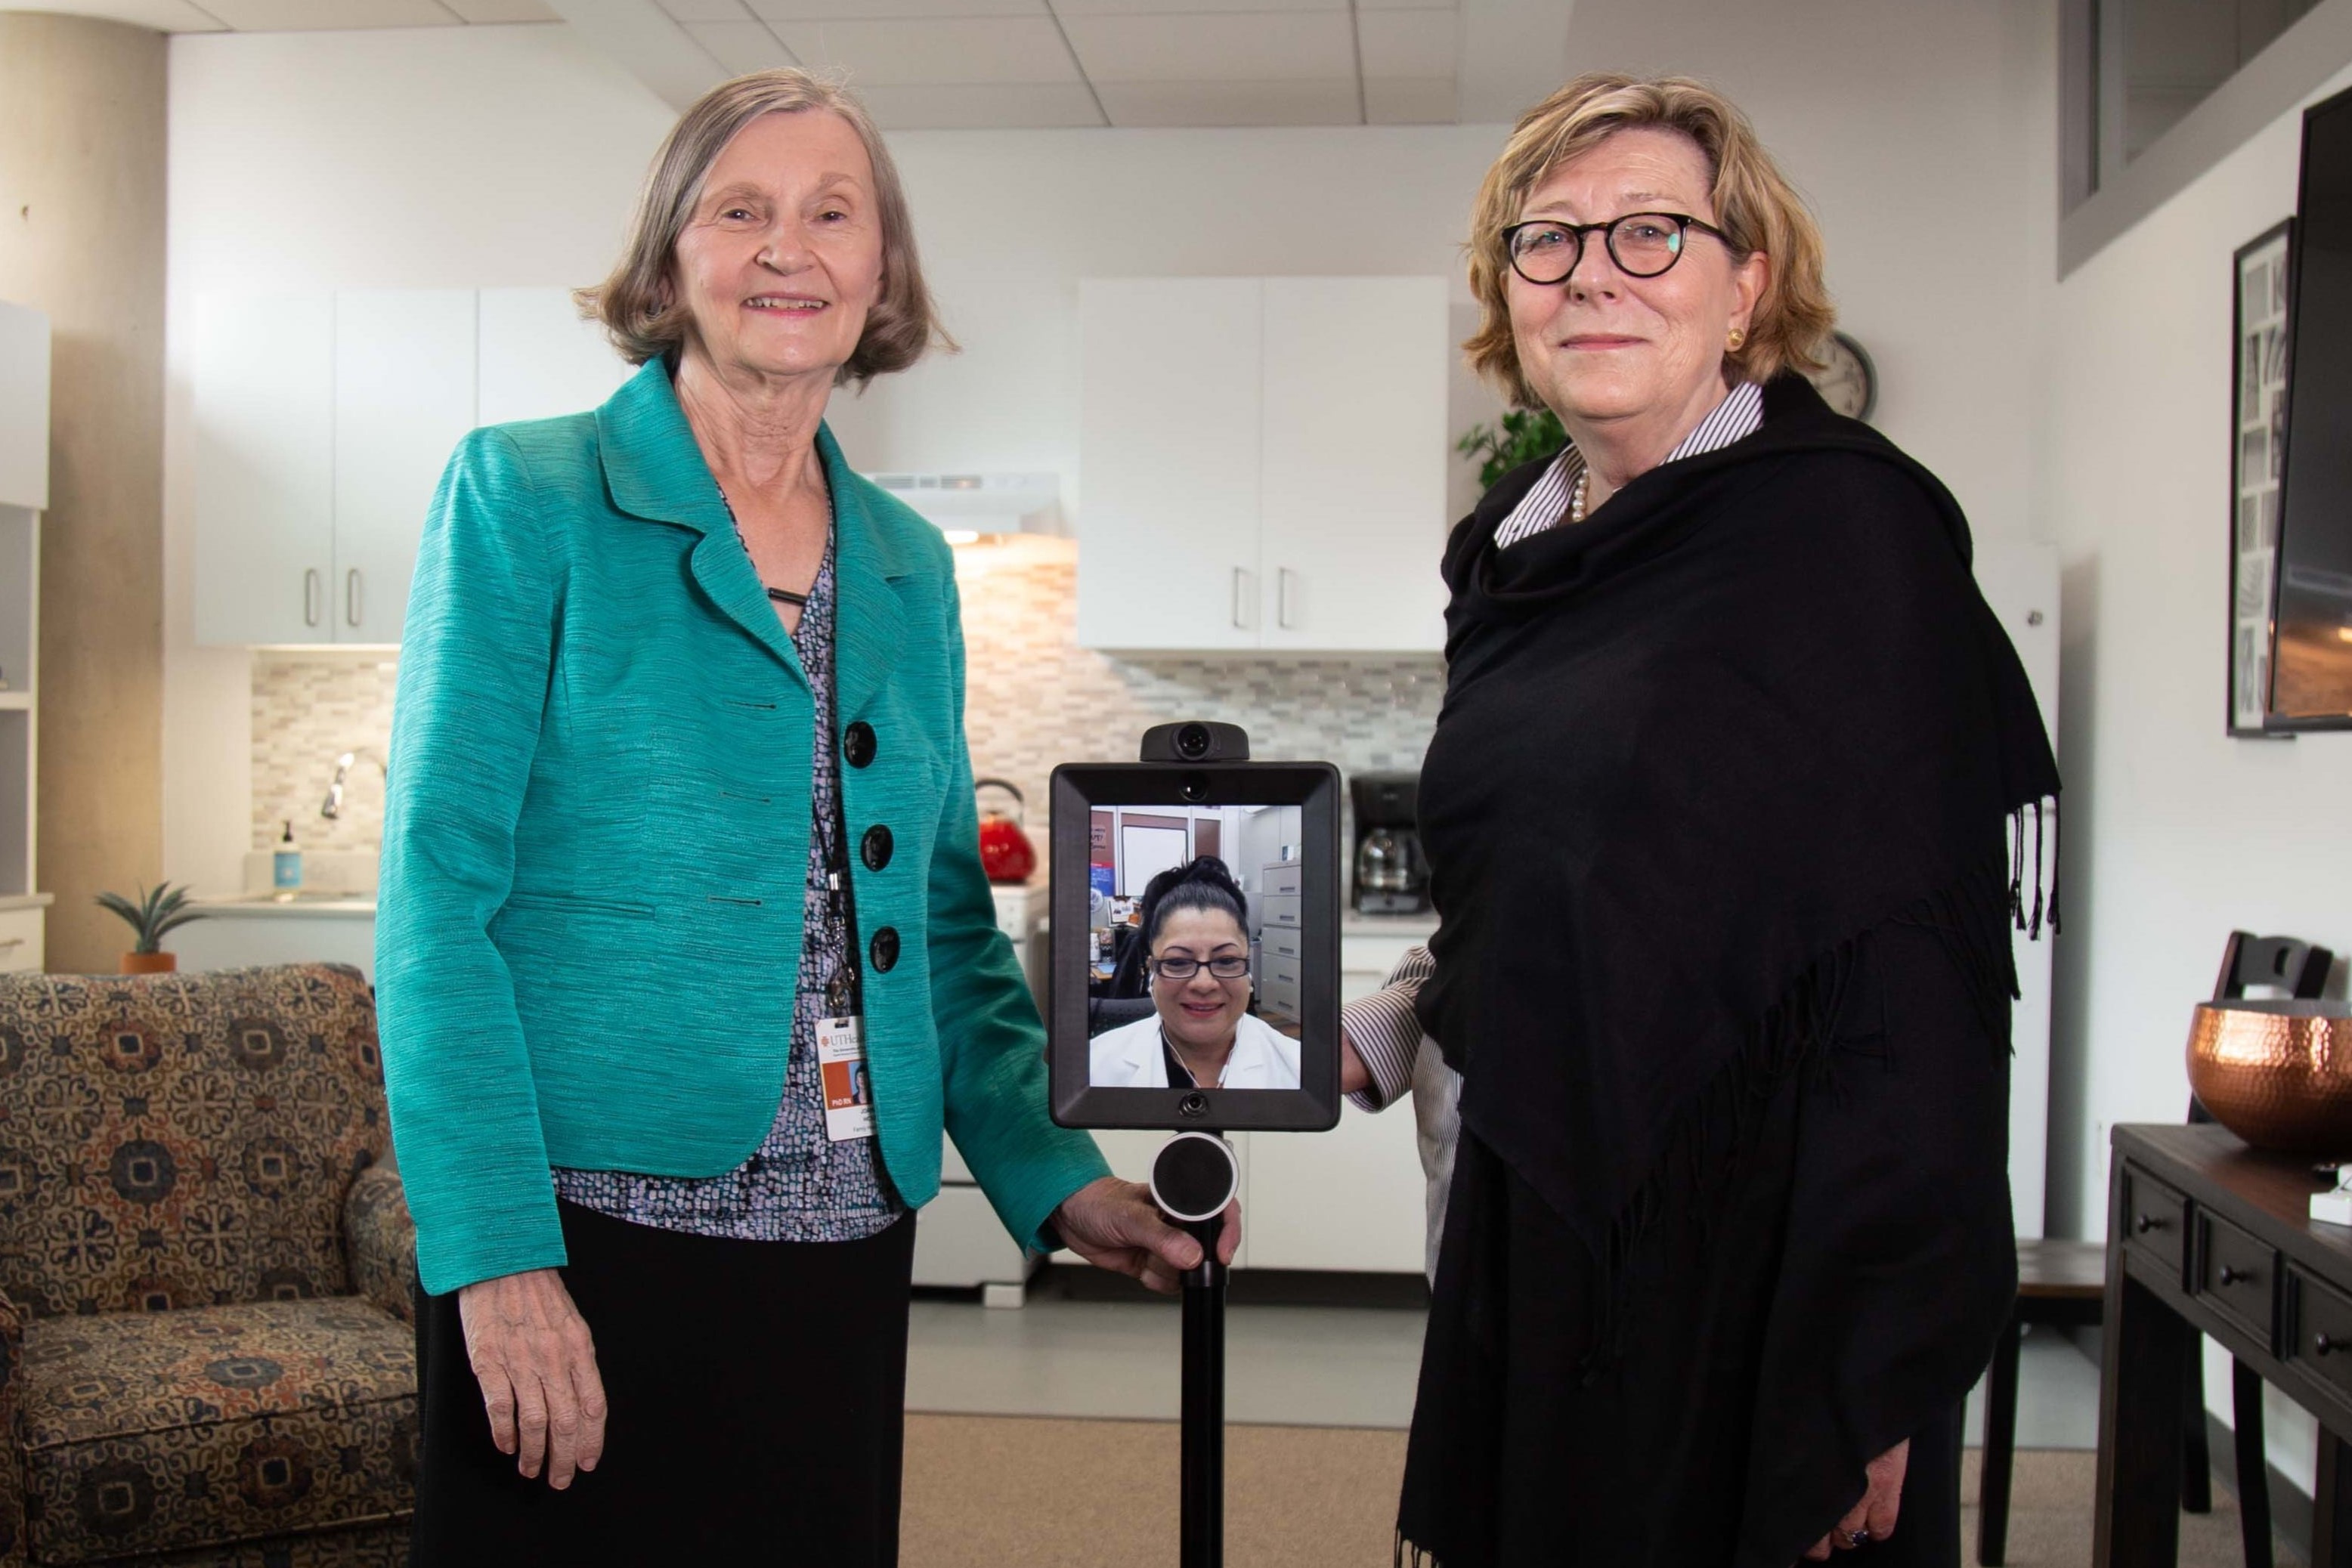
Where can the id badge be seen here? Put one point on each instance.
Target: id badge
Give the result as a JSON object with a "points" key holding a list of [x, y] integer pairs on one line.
{"points": [[849, 1092]]}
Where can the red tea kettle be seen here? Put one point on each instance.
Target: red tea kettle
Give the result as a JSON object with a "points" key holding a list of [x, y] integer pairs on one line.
{"points": [[1005, 851]]}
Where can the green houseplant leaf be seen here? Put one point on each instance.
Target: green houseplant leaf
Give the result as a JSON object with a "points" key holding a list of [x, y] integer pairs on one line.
{"points": [[1522, 435], [164, 909]]}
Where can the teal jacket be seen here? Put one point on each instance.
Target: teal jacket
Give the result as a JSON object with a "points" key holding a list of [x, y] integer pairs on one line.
{"points": [[596, 843]]}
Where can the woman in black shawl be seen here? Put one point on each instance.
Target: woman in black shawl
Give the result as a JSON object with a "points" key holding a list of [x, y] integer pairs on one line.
{"points": [[1737, 791]]}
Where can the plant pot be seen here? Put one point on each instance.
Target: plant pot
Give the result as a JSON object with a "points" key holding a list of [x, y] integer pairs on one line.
{"points": [[150, 963]]}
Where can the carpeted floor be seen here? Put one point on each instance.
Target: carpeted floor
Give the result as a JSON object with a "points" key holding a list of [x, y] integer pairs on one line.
{"points": [[983, 1490]]}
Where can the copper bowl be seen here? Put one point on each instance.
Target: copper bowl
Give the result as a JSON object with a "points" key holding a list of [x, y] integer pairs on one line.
{"points": [[2278, 1074]]}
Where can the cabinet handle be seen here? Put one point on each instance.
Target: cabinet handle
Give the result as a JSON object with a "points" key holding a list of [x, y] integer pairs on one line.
{"points": [[12, 941], [2236, 1276], [351, 596], [2323, 1345], [313, 594], [1241, 597], [1283, 579], [2148, 1222]]}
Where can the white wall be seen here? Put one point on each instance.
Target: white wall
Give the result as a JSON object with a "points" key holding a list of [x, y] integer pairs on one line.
{"points": [[2178, 833], [465, 157], [2174, 833]]}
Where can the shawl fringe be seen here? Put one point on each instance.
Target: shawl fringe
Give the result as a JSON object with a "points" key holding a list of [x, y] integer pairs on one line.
{"points": [[2044, 812], [1794, 1036]]}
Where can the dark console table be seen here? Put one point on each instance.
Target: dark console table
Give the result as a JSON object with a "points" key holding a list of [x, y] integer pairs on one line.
{"points": [[2204, 1233]]}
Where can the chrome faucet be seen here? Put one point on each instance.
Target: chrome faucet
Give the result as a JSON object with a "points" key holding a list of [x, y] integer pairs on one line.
{"points": [[333, 807]]}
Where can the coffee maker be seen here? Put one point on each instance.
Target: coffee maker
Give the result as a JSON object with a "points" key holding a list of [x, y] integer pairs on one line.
{"points": [[1391, 877]]}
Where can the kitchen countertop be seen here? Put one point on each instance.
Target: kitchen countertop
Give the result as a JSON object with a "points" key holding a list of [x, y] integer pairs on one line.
{"points": [[307, 905], [1414, 927]]}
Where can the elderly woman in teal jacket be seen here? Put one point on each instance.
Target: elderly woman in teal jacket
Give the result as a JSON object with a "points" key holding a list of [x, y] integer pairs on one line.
{"points": [[686, 956]]}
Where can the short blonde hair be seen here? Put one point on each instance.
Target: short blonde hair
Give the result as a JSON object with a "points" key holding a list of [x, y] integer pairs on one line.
{"points": [[638, 304], [1755, 207]]}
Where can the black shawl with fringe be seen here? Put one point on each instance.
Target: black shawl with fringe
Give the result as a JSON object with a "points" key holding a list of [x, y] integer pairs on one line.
{"points": [[1690, 748], [1693, 751]]}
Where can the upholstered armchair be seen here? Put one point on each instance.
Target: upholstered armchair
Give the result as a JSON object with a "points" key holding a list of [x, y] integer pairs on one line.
{"points": [[205, 1356]]}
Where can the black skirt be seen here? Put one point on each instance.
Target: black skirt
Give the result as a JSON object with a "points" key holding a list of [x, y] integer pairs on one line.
{"points": [[756, 1392]]}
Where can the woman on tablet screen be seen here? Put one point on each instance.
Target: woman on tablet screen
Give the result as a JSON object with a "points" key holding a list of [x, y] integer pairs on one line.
{"points": [[1201, 1032]]}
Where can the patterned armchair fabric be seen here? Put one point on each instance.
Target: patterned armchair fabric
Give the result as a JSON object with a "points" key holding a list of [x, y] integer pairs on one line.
{"points": [[380, 1241], [204, 1273]]}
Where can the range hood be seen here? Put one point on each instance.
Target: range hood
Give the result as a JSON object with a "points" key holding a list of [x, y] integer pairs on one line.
{"points": [[966, 505]]}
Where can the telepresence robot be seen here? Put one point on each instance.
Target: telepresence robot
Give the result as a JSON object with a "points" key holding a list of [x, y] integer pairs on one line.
{"points": [[1275, 826]]}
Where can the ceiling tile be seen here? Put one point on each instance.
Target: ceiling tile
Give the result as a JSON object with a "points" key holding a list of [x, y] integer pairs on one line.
{"points": [[488, 11], [705, 10], [318, 16], [1412, 101], [1401, 43], [1275, 45], [1139, 103], [890, 10], [164, 15], [982, 106], [740, 47], [1145, 7], [946, 49]]}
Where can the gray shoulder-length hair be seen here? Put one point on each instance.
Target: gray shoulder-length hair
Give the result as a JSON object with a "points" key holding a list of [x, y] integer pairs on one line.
{"points": [[638, 304]]}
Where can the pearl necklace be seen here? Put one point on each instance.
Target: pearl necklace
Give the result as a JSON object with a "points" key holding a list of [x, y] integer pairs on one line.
{"points": [[1576, 497]]}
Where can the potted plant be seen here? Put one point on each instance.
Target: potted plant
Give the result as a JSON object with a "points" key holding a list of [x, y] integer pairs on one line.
{"points": [[163, 910], [1525, 434]]}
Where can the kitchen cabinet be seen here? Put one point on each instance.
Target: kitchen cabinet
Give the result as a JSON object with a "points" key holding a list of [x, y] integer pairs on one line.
{"points": [[539, 359], [404, 376], [264, 398], [1352, 477], [1263, 464], [23, 930], [24, 407], [323, 422], [1350, 1198], [1169, 445], [25, 361], [237, 933]]}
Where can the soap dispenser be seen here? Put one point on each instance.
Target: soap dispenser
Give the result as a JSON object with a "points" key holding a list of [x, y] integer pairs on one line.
{"points": [[286, 866]]}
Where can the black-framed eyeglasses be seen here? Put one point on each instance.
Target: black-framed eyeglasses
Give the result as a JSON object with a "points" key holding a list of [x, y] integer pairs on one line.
{"points": [[1228, 968], [1642, 245]]}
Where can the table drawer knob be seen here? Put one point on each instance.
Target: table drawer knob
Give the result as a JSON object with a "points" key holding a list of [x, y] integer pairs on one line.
{"points": [[2148, 1222], [2321, 1344], [2235, 1276]]}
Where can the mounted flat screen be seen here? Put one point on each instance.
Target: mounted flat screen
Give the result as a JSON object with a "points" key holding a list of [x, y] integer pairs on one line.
{"points": [[2311, 680], [1196, 946]]}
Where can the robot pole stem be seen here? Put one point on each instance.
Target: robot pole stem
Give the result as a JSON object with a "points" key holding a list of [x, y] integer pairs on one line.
{"points": [[1203, 1429]]}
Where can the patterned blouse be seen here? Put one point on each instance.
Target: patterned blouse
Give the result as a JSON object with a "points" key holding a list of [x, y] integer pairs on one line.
{"points": [[798, 1184]]}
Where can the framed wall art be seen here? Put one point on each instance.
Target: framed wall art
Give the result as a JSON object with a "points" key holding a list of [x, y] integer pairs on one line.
{"points": [[2257, 459]]}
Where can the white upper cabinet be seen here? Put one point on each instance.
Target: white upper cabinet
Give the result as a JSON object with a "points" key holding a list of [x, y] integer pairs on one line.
{"points": [[404, 399], [540, 358], [1263, 464], [1352, 489], [1169, 439], [24, 407], [324, 424], [265, 498]]}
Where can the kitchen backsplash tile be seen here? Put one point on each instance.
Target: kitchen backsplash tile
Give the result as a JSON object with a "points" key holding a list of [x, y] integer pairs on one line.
{"points": [[1034, 698], [306, 713]]}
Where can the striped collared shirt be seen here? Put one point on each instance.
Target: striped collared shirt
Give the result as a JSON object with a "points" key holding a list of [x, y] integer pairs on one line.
{"points": [[1382, 1026], [1546, 505]]}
